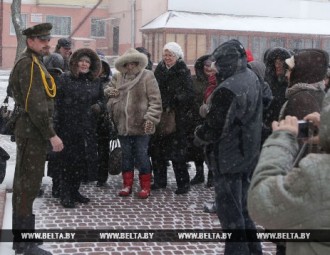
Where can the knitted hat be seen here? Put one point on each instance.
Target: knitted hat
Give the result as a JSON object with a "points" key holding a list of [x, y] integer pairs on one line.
{"points": [[308, 66], [174, 48], [53, 61]]}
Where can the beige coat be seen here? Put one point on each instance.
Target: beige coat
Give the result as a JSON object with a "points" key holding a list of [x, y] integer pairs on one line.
{"points": [[138, 101]]}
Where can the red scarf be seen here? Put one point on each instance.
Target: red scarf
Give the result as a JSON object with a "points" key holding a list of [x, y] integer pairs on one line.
{"points": [[212, 85]]}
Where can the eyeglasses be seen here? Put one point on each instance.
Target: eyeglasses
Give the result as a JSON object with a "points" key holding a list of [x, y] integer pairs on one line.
{"points": [[168, 56]]}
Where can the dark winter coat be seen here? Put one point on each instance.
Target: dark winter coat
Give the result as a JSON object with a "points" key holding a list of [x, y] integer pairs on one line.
{"points": [[233, 123], [278, 85], [75, 118], [177, 94], [103, 125], [200, 83], [259, 68]]}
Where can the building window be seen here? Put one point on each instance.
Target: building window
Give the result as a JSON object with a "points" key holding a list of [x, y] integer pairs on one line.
{"points": [[259, 47], [24, 22], [277, 42], [295, 44], [326, 45], [97, 27], [61, 25]]}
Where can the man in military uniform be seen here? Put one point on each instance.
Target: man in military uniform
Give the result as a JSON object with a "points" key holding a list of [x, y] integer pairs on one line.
{"points": [[33, 91]]}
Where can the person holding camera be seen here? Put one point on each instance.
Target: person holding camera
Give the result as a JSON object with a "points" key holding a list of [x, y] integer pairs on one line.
{"points": [[284, 197], [306, 72]]}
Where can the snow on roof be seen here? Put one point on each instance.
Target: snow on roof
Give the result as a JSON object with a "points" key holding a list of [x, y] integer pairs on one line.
{"points": [[188, 20]]}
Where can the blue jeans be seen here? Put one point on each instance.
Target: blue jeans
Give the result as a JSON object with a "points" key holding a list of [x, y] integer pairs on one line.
{"points": [[135, 153], [231, 202]]}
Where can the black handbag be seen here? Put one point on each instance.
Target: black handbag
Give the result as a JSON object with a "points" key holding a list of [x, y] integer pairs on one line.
{"points": [[4, 156], [5, 115], [8, 118]]}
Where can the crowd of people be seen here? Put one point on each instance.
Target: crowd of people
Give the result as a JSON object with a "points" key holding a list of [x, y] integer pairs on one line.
{"points": [[235, 114]]}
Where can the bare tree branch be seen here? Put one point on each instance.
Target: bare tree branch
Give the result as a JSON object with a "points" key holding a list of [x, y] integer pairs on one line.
{"points": [[17, 22], [85, 18]]}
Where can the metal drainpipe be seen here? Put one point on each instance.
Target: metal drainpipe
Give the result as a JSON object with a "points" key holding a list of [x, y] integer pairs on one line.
{"points": [[133, 4]]}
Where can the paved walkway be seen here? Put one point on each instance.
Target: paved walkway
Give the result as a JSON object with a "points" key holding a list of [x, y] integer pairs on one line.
{"points": [[162, 210]]}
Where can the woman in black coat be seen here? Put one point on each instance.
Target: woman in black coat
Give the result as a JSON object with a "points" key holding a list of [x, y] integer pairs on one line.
{"points": [[79, 102], [175, 84]]}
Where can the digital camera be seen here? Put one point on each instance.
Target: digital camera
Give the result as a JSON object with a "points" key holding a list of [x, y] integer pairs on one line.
{"points": [[305, 129]]}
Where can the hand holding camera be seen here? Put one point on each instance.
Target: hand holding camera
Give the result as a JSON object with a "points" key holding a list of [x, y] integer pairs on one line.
{"points": [[302, 129], [314, 119]]}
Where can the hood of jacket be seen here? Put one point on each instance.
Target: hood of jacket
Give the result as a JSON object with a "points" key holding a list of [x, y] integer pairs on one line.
{"points": [[199, 68], [95, 67], [270, 57], [230, 58], [131, 55], [106, 68]]}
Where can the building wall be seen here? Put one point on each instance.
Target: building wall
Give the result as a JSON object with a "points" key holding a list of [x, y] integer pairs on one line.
{"points": [[145, 10], [82, 38], [196, 43]]}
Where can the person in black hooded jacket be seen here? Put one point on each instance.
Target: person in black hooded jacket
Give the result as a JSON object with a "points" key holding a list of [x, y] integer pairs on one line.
{"points": [[79, 102], [233, 125], [103, 128], [275, 77]]}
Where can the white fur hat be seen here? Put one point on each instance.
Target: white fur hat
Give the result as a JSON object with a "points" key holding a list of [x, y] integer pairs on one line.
{"points": [[174, 48]]}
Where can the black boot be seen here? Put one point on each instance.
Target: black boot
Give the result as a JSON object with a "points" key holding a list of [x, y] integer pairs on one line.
{"points": [[33, 249], [27, 224], [160, 175], [182, 177], [182, 189], [17, 223], [199, 177], [80, 198], [209, 182], [67, 200], [56, 188], [33, 224]]}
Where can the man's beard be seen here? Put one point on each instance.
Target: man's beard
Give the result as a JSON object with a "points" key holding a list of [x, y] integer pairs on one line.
{"points": [[45, 51]]}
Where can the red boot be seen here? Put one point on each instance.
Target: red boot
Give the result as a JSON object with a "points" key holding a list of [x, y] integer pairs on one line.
{"points": [[128, 178], [145, 180]]}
